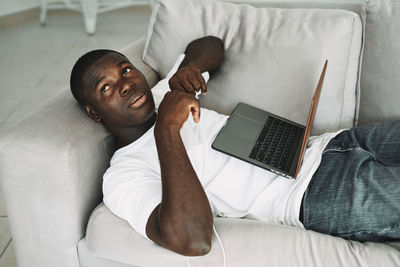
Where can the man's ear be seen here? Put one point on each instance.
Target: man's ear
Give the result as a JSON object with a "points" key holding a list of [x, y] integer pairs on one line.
{"points": [[92, 113]]}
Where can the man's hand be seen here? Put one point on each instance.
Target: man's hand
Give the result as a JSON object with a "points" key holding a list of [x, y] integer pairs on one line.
{"points": [[175, 108], [201, 55], [188, 79]]}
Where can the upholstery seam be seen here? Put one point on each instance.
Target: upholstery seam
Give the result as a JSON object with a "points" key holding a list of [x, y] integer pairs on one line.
{"points": [[67, 176], [90, 224], [150, 32], [360, 61], [345, 80]]}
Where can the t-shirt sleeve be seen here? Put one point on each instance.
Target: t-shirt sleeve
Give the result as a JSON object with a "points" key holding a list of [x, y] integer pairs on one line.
{"points": [[162, 87], [132, 191]]}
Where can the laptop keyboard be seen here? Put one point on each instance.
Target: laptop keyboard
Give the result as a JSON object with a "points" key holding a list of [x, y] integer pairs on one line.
{"points": [[276, 142]]}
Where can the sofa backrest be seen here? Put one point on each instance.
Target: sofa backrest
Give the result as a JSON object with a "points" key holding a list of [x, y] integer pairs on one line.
{"points": [[380, 79], [380, 75], [273, 56]]}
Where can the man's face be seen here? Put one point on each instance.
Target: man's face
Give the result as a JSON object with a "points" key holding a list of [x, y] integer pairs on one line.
{"points": [[117, 93]]}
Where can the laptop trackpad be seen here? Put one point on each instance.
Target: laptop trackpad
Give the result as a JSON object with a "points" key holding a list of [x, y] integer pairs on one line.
{"points": [[239, 135]]}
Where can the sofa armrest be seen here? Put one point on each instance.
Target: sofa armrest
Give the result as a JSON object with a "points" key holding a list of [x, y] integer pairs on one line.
{"points": [[51, 166]]}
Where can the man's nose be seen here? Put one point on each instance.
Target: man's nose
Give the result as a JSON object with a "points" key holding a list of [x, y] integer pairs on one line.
{"points": [[125, 88]]}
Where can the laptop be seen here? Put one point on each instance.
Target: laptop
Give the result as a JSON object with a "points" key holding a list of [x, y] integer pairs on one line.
{"points": [[267, 140]]}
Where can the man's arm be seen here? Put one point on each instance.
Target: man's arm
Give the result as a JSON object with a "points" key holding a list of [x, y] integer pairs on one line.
{"points": [[183, 221], [204, 54]]}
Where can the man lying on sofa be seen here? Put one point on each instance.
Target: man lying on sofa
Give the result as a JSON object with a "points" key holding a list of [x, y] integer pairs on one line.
{"points": [[167, 181]]}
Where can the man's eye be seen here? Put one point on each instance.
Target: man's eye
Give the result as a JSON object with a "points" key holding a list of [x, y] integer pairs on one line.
{"points": [[126, 71], [104, 88]]}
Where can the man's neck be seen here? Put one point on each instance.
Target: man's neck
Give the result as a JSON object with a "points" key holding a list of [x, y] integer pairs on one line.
{"points": [[125, 136]]}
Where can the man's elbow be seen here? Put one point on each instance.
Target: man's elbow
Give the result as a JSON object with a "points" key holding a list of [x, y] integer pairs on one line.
{"points": [[216, 40], [193, 248], [219, 47], [198, 248], [188, 244]]}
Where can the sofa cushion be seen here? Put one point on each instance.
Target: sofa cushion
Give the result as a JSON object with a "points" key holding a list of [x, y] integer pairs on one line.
{"points": [[246, 243], [273, 57], [380, 79]]}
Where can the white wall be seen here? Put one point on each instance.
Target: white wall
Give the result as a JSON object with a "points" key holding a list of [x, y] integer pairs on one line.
{"points": [[11, 6]]}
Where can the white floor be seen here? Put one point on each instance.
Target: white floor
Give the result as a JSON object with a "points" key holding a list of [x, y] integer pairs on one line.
{"points": [[36, 61]]}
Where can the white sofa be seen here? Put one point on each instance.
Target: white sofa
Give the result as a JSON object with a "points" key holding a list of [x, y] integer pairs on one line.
{"points": [[51, 165]]}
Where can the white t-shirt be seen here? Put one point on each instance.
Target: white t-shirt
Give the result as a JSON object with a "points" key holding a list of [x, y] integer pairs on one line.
{"points": [[132, 183]]}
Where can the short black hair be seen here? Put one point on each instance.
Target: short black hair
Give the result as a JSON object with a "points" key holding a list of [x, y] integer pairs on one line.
{"points": [[81, 65]]}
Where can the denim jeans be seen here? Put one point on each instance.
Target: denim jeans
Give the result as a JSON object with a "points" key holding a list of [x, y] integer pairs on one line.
{"points": [[355, 193]]}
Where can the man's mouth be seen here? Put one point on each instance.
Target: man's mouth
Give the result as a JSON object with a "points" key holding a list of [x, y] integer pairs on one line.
{"points": [[137, 100]]}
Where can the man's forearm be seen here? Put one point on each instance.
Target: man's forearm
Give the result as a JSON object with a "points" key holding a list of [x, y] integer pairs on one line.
{"points": [[183, 221], [206, 54], [184, 216]]}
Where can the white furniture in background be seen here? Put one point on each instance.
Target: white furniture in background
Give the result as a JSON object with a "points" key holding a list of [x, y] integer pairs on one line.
{"points": [[89, 8]]}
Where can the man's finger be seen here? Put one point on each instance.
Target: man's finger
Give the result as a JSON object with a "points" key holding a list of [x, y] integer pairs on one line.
{"points": [[187, 86], [203, 84], [195, 83], [179, 87], [195, 109], [174, 84]]}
